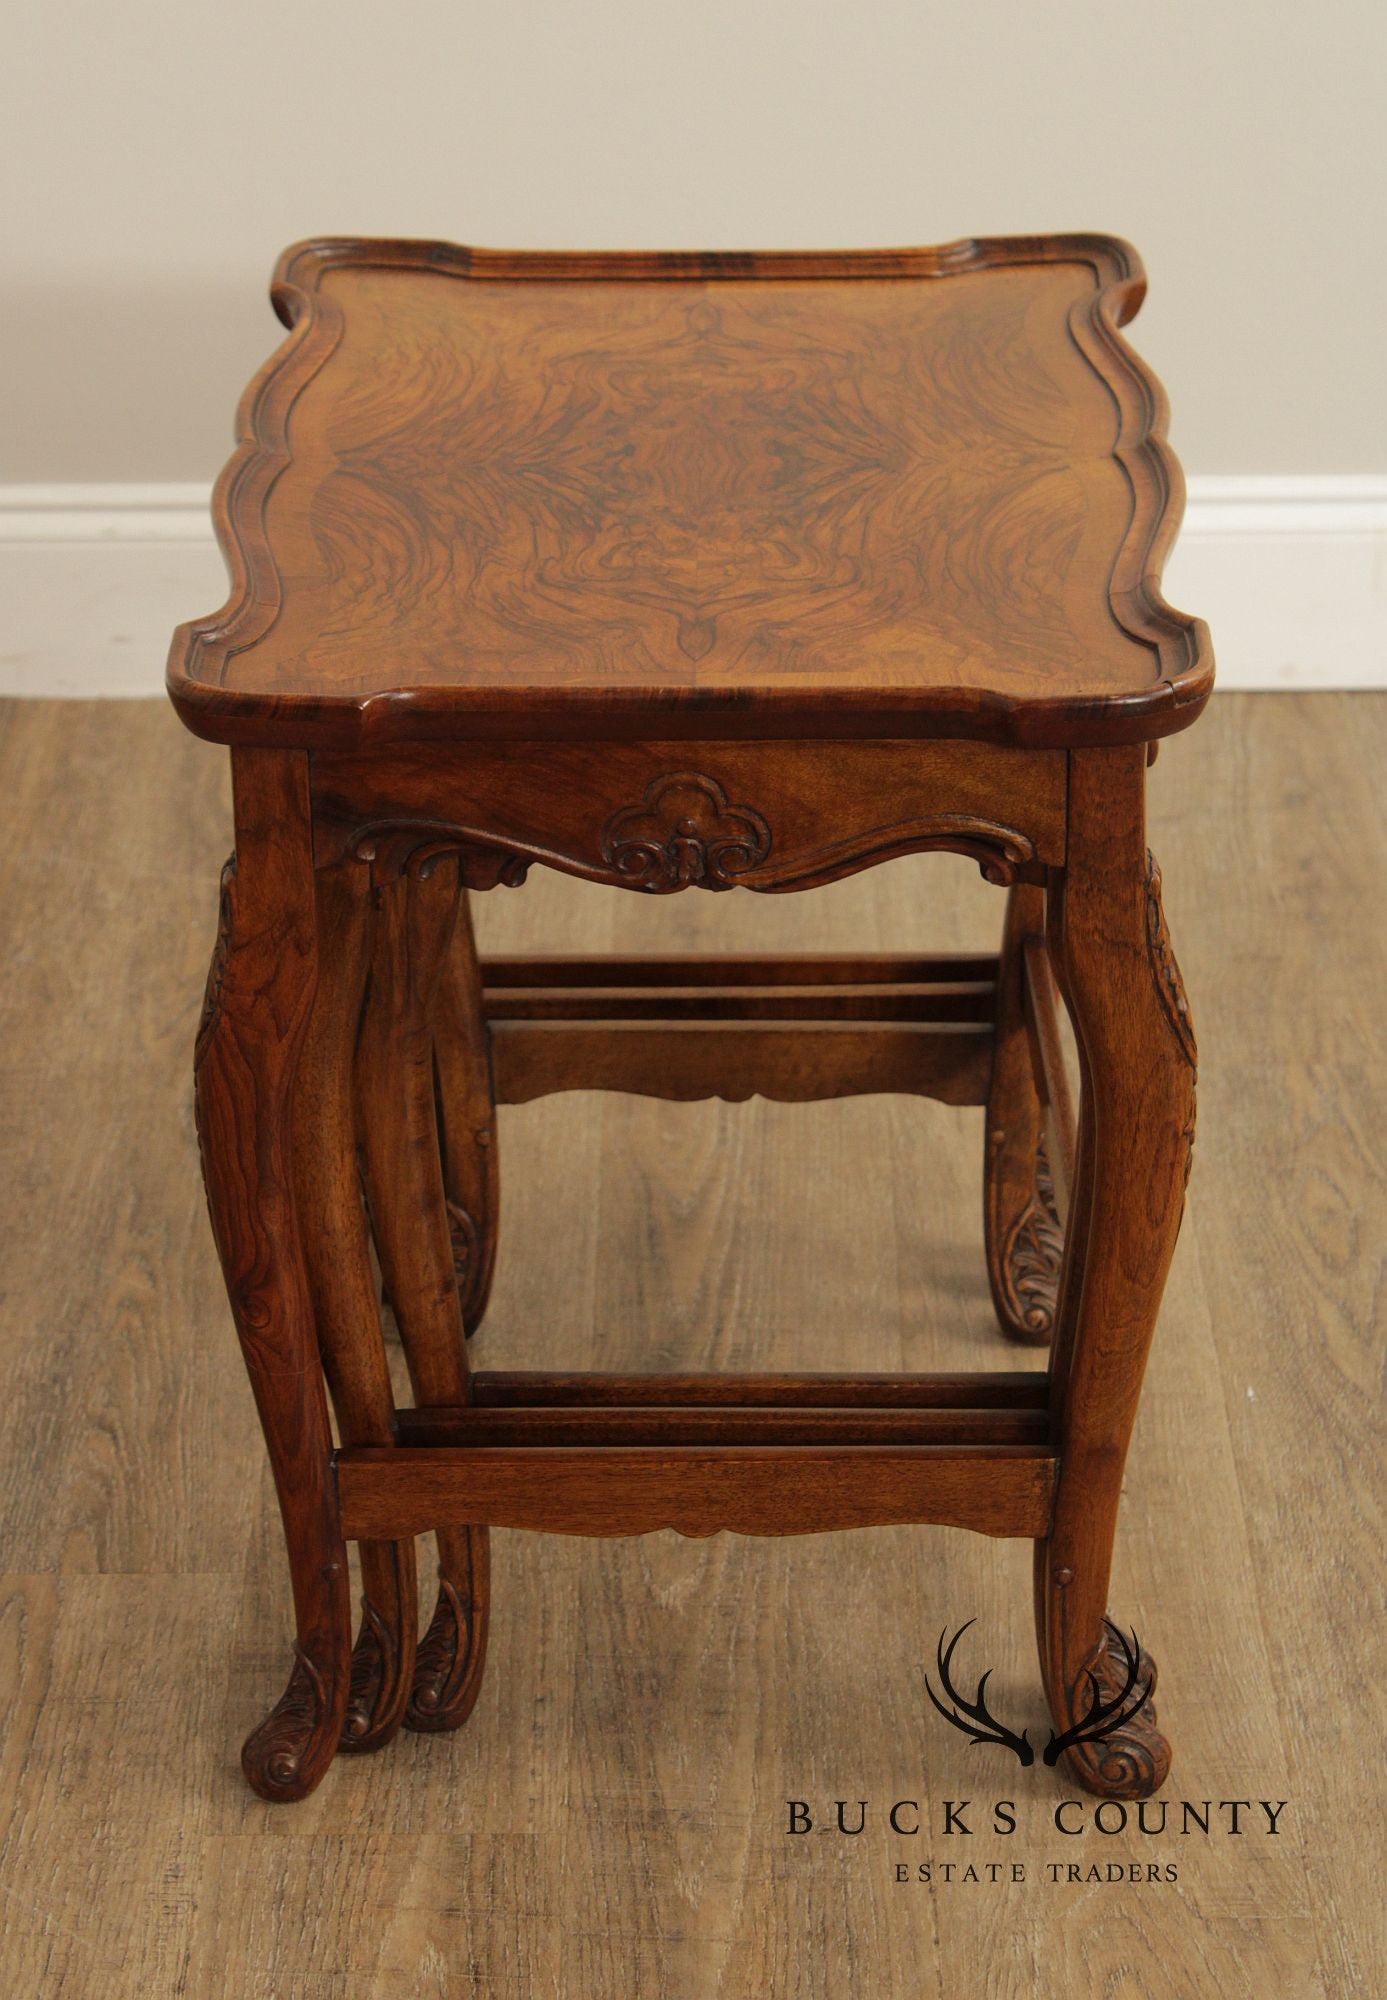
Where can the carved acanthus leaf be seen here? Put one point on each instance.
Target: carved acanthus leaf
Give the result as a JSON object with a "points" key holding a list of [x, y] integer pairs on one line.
{"points": [[1030, 1264], [216, 970], [411, 847], [1171, 988], [1134, 1761], [1166, 972], [444, 1657], [375, 1664]]}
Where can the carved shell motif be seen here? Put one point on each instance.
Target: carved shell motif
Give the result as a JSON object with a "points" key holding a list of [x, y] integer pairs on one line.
{"points": [[685, 832]]}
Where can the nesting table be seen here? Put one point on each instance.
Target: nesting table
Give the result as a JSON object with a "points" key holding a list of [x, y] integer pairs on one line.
{"points": [[669, 572]]}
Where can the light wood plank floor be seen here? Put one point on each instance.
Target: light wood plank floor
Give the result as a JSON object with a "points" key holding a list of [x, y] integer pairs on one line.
{"points": [[613, 1820]]}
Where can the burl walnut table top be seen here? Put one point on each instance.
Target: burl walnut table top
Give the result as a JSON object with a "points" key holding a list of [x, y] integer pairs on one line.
{"points": [[909, 493]]}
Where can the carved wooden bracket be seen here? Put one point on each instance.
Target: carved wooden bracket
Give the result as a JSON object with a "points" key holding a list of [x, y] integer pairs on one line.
{"points": [[275, 1751], [411, 847]]}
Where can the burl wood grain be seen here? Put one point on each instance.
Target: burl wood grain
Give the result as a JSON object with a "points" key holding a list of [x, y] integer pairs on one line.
{"points": [[922, 490]]}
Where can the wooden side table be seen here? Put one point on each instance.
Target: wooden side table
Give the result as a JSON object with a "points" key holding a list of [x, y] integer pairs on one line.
{"points": [[672, 571]]}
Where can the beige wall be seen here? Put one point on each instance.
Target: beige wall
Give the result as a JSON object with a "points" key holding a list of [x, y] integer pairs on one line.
{"points": [[161, 151]]}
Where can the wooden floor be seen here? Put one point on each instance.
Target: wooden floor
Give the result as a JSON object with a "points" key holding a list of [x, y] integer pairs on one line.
{"points": [[612, 1821]]}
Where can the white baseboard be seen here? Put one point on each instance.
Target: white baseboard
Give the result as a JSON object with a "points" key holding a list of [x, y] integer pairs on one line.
{"points": [[1291, 574], [93, 580]]}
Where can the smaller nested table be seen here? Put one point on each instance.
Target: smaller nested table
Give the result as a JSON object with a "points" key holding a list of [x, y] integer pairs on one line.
{"points": [[673, 571]]}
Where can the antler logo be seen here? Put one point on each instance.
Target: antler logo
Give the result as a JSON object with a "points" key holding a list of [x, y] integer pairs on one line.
{"points": [[1103, 1717]]}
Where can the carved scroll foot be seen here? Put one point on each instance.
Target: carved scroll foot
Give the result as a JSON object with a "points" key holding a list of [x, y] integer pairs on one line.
{"points": [[382, 1670], [1026, 1268], [1112, 961], [287, 1755], [260, 993], [1133, 1760], [452, 1653]]}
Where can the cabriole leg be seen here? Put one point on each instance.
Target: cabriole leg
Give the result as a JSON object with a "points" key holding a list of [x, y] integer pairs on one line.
{"points": [[259, 993], [333, 1229], [1113, 960], [397, 1121]]}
